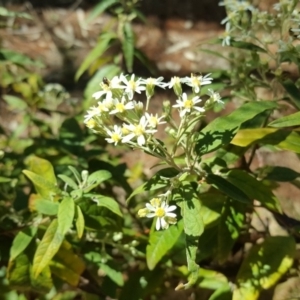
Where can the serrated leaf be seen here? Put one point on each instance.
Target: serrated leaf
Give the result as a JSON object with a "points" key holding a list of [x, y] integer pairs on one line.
{"points": [[47, 248], [228, 188], [43, 187], [287, 121], [97, 51], [79, 222], [21, 241], [95, 179], [65, 215], [128, 46], [161, 242], [284, 139], [108, 203], [222, 130], [265, 264], [254, 189]]}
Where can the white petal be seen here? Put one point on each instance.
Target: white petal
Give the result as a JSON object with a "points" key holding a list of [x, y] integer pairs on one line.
{"points": [[157, 226], [171, 208]]}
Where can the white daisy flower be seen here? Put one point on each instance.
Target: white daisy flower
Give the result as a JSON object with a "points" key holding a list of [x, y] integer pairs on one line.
{"points": [[121, 106], [138, 131], [132, 86], [215, 97], [115, 136], [107, 87], [196, 81], [163, 213], [154, 120], [187, 105]]}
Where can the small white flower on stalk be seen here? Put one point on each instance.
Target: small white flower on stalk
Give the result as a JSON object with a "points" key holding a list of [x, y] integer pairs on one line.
{"points": [[107, 87], [132, 86], [175, 83], [138, 131], [196, 81], [163, 212], [187, 105], [215, 97], [121, 106], [151, 83], [115, 135], [90, 123], [154, 120]]}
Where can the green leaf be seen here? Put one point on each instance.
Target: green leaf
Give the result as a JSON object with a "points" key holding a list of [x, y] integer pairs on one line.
{"points": [[161, 242], [246, 46], [128, 45], [193, 228], [265, 264], [108, 203], [229, 226], [43, 187], [79, 222], [44, 206], [47, 248], [280, 173], [222, 130], [15, 103], [21, 241], [254, 189], [100, 8], [67, 265], [293, 92], [284, 139], [95, 179], [291, 120], [228, 188], [65, 215], [115, 275], [42, 167], [97, 51], [68, 181], [18, 58]]}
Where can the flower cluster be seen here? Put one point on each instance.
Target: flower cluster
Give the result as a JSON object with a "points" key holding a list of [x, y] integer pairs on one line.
{"points": [[123, 120], [160, 210]]}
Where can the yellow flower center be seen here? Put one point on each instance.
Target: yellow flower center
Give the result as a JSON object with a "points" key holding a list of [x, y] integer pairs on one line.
{"points": [[120, 107], [188, 103], [132, 85], [160, 212], [139, 130], [195, 81], [115, 137]]}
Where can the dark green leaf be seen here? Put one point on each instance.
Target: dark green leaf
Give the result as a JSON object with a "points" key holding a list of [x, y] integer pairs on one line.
{"points": [[228, 188], [128, 46], [222, 130], [293, 92], [246, 46], [280, 174]]}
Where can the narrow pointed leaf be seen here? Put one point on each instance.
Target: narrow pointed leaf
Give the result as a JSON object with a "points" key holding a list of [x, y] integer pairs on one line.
{"points": [[47, 248], [70, 182], [128, 46], [293, 92], [96, 178], [65, 215], [79, 222], [100, 8], [287, 121], [161, 242]]}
